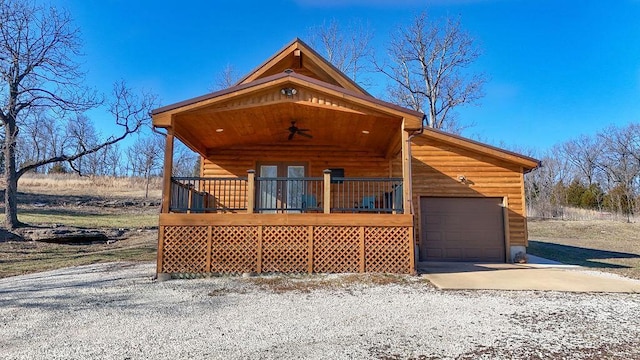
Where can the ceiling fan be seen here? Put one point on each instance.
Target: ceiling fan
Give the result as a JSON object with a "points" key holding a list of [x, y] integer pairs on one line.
{"points": [[293, 130]]}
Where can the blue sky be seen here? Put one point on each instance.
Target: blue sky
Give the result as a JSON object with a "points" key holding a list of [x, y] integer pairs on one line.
{"points": [[557, 69]]}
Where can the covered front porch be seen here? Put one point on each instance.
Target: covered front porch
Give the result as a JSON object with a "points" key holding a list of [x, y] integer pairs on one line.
{"points": [[301, 171], [293, 224], [270, 224]]}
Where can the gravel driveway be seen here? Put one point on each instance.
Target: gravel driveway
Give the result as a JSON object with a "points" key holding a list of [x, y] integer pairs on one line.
{"points": [[116, 311]]}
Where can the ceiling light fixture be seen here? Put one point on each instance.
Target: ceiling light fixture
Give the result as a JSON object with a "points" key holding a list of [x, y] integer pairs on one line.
{"points": [[365, 131], [219, 130]]}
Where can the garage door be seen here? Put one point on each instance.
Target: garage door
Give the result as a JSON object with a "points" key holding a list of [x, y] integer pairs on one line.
{"points": [[462, 229]]}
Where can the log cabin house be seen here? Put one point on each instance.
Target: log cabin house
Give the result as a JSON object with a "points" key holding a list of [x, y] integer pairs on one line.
{"points": [[303, 171]]}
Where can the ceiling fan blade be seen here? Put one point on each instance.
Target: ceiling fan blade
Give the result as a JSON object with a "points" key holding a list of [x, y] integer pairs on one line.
{"points": [[304, 134], [291, 135]]}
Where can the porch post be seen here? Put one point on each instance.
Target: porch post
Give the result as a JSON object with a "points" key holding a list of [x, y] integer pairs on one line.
{"points": [[166, 200], [326, 193], [251, 191], [167, 170], [406, 179]]}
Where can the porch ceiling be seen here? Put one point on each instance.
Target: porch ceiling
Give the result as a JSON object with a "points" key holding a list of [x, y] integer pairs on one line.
{"points": [[266, 125]]}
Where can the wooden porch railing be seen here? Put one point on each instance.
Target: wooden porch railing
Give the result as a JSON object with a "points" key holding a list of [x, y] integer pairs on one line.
{"points": [[367, 195], [199, 195], [286, 195]]}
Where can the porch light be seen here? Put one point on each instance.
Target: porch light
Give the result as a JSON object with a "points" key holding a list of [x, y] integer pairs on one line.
{"points": [[288, 91], [365, 131], [219, 130]]}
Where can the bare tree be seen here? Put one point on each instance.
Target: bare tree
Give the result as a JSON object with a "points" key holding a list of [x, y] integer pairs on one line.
{"points": [[585, 156], [38, 72], [226, 78], [621, 161], [544, 187], [184, 160], [427, 69], [113, 160], [80, 136], [346, 48], [145, 157]]}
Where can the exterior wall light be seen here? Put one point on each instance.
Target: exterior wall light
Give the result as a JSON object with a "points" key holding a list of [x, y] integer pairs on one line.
{"points": [[288, 91]]}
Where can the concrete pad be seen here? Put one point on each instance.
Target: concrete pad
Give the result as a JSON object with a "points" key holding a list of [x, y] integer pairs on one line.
{"points": [[536, 261], [462, 276]]}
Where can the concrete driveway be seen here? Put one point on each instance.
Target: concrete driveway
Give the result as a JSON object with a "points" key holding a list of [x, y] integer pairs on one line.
{"points": [[538, 274]]}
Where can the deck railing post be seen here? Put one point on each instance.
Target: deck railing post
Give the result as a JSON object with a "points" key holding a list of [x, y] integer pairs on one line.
{"points": [[251, 190], [326, 201]]}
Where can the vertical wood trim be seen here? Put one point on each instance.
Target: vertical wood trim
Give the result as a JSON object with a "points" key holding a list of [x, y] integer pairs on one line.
{"points": [[412, 251], [524, 207], [326, 201], [363, 255], [209, 246], [166, 175], [507, 236], [259, 251], [160, 250], [310, 243], [406, 180], [251, 191]]}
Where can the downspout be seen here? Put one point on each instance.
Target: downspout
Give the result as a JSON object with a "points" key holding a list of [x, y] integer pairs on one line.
{"points": [[419, 132]]}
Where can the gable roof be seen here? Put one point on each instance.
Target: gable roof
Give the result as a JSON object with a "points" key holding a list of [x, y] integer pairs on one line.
{"points": [[300, 58], [256, 112], [528, 163], [296, 79], [317, 76]]}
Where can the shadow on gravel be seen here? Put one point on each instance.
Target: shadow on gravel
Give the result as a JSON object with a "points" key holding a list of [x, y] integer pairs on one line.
{"points": [[574, 255], [72, 288], [433, 267]]}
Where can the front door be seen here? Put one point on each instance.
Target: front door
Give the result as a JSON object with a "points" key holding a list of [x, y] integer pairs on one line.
{"points": [[278, 189]]}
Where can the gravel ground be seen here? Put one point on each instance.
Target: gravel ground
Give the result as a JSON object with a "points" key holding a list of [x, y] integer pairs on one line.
{"points": [[116, 311]]}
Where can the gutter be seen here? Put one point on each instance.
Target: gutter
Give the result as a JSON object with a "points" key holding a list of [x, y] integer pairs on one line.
{"points": [[539, 165]]}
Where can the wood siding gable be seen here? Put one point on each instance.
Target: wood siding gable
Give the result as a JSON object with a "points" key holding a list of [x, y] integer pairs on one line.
{"points": [[302, 59]]}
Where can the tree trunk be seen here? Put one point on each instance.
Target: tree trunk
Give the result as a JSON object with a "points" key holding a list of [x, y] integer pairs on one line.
{"points": [[146, 188], [11, 178]]}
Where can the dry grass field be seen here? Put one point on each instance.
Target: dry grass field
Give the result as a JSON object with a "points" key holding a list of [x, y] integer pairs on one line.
{"points": [[119, 203], [102, 186], [83, 202], [604, 245]]}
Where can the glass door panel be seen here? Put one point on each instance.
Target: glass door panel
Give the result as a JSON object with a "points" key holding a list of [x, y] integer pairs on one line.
{"points": [[295, 188], [268, 189], [283, 193]]}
